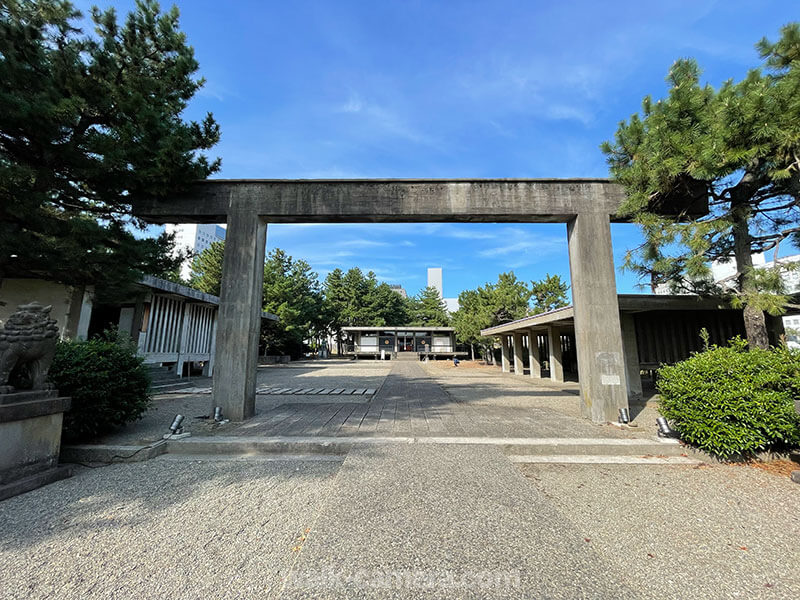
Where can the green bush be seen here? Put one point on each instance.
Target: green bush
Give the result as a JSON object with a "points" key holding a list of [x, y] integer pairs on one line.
{"points": [[732, 402], [107, 381]]}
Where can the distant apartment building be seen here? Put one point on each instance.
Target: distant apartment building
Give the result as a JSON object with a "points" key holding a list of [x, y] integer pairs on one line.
{"points": [[400, 290], [196, 238]]}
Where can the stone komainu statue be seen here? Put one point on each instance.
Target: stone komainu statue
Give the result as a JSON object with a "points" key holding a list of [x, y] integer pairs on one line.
{"points": [[28, 339]]}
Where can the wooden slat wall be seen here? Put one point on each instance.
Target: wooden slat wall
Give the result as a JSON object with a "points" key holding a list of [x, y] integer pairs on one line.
{"points": [[666, 337]]}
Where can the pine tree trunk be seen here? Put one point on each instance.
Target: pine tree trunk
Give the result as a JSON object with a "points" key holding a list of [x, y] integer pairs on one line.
{"points": [[755, 327], [755, 324]]}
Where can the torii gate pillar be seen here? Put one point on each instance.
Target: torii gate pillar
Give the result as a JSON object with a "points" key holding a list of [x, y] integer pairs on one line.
{"points": [[598, 337]]}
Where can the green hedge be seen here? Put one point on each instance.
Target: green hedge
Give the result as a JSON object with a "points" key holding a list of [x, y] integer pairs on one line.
{"points": [[107, 381], [732, 402]]}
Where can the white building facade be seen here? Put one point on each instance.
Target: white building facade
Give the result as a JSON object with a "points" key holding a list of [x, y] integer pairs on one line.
{"points": [[196, 238]]}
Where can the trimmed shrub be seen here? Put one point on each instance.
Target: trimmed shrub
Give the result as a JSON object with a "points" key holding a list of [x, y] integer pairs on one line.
{"points": [[107, 381], [732, 402]]}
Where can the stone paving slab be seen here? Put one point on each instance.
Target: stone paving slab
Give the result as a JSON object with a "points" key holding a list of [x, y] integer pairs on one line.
{"points": [[400, 399], [414, 401], [280, 391]]}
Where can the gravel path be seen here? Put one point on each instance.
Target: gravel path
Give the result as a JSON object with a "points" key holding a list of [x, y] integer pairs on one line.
{"points": [[402, 521], [684, 532], [164, 528]]}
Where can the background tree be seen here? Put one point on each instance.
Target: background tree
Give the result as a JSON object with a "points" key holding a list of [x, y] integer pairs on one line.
{"points": [[738, 147], [472, 316], [355, 299], [428, 309], [548, 294], [357, 290], [507, 300], [89, 124], [206, 273], [387, 307], [335, 298], [293, 293]]}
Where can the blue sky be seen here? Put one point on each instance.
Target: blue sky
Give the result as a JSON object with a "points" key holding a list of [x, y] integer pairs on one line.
{"points": [[324, 89]]}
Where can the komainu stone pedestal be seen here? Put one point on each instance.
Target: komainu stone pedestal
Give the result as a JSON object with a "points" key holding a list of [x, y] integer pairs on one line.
{"points": [[30, 419], [30, 440]]}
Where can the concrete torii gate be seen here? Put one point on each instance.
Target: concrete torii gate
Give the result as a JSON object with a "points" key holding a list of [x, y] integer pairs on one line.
{"points": [[586, 205]]}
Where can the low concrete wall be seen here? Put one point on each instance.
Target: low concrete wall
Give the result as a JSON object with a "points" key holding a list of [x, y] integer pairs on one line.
{"points": [[274, 360]]}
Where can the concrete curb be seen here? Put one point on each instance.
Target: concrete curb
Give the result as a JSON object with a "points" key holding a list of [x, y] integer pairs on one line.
{"points": [[241, 445], [655, 448], [107, 453], [592, 459], [34, 481]]}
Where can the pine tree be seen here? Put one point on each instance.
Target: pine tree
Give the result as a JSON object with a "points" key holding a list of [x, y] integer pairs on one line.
{"points": [[507, 300], [736, 148], [293, 293], [206, 273], [89, 124], [501, 302], [548, 294], [472, 316], [387, 307], [335, 302], [429, 309]]}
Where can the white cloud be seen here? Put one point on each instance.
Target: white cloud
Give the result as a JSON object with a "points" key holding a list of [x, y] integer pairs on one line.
{"points": [[521, 247], [362, 243], [353, 104], [466, 234], [377, 120], [562, 112]]}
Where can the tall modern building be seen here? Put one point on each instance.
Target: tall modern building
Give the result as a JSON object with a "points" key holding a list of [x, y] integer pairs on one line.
{"points": [[195, 237], [435, 281]]}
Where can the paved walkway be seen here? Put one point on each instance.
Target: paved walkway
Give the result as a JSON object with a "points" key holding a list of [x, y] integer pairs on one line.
{"points": [[412, 402]]}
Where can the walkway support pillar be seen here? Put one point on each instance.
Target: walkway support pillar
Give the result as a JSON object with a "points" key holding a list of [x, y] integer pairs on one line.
{"points": [[505, 364], [534, 362], [554, 344], [519, 366], [598, 337], [630, 348], [239, 323]]}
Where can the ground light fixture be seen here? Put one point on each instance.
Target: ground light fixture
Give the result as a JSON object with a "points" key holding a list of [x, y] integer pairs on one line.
{"points": [[664, 430], [624, 415], [176, 426]]}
